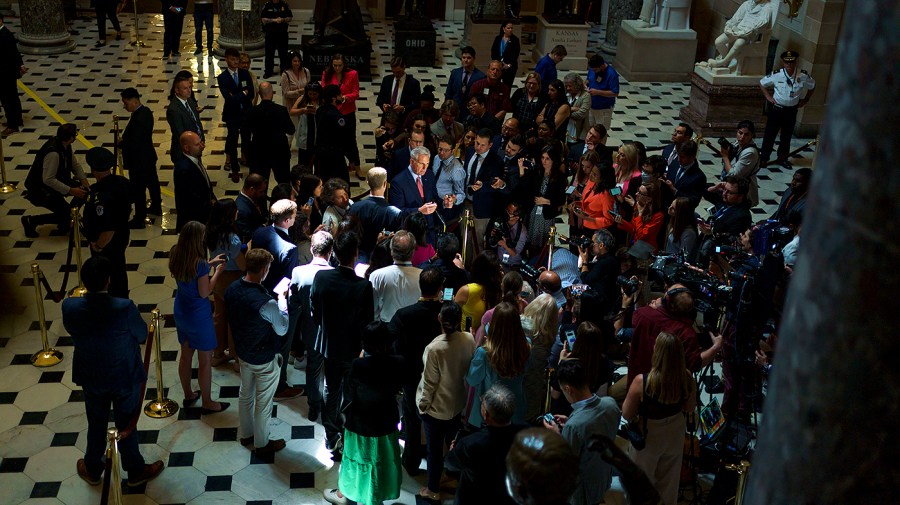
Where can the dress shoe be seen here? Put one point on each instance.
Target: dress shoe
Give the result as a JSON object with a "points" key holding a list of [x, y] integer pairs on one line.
{"points": [[428, 497], [176, 53], [150, 472], [272, 447], [787, 164], [100, 43], [118, 35], [155, 211], [86, 476], [187, 402], [246, 441], [332, 496], [29, 227], [288, 394], [137, 224], [9, 131], [235, 177], [222, 406]]}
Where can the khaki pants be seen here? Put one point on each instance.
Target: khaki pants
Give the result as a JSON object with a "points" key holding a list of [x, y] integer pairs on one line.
{"points": [[602, 116]]}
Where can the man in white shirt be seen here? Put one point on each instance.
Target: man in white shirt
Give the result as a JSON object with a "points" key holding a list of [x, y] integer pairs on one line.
{"points": [[396, 286]]}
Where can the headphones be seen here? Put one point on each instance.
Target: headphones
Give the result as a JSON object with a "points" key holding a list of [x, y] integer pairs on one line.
{"points": [[666, 301]]}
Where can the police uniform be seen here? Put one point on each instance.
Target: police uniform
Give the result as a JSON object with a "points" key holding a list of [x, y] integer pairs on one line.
{"points": [[276, 35], [788, 90], [333, 136], [108, 209]]}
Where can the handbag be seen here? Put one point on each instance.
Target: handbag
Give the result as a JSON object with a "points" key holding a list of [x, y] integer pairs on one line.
{"points": [[636, 432]]}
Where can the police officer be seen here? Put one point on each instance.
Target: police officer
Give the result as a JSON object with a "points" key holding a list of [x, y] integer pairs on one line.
{"points": [[790, 91], [333, 135], [54, 175], [275, 16], [106, 216]]}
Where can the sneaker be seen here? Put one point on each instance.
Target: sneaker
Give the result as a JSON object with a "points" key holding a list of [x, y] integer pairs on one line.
{"points": [[300, 363], [272, 447], [288, 393], [149, 473], [81, 467], [332, 496]]}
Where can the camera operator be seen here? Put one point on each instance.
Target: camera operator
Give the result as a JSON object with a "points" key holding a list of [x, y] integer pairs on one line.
{"points": [[673, 313], [600, 268], [730, 216], [509, 236], [740, 159]]}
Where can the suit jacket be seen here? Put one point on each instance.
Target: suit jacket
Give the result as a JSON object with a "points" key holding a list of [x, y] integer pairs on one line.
{"points": [[413, 328], [137, 139], [194, 196], [404, 193], [237, 104], [596, 416], [455, 90], [107, 333], [10, 58], [789, 204], [342, 305], [283, 249], [481, 459], [399, 162], [249, 217], [375, 214], [180, 120], [672, 167], [269, 126], [409, 97], [484, 201], [510, 56], [691, 184]]}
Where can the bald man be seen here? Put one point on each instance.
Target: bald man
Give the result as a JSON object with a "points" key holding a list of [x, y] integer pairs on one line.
{"points": [[194, 196], [269, 128]]}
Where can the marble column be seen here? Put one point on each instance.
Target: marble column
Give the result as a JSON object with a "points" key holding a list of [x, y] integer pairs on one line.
{"points": [[230, 29], [6, 7], [829, 432], [619, 10], [43, 29]]}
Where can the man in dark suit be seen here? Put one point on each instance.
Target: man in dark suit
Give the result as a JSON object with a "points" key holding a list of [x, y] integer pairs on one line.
{"points": [[236, 88], [107, 333], [139, 157], [275, 239], [11, 68], [194, 196], [399, 92], [342, 305], [681, 133], [483, 168], [269, 128], [375, 213], [447, 250], [173, 23], [182, 114], [462, 78], [596, 140], [688, 180], [250, 215], [414, 189], [400, 157], [793, 201]]}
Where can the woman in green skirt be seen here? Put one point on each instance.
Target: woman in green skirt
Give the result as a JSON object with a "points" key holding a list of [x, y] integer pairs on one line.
{"points": [[370, 469]]}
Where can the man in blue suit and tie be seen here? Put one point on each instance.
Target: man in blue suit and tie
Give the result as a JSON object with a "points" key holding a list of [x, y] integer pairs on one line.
{"points": [[375, 213], [107, 333], [414, 189], [484, 170], [461, 80], [237, 90]]}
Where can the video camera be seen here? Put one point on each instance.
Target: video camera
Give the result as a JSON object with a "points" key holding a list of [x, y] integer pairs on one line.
{"points": [[497, 230], [582, 242], [709, 292]]}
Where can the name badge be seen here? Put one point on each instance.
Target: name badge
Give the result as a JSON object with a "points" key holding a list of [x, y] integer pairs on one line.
{"points": [[486, 91], [243, 83]]}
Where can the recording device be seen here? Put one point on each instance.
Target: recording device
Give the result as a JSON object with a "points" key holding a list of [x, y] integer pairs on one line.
{"points": [[724, 143], [727, 249], [549, 418], [629, 286], [310, 201], [614, 213], [616, 191], [582, 242], [469, 324], [505, 259], [570, 338], [448, 294], [570, 190], [498, 230], [528, 163]]}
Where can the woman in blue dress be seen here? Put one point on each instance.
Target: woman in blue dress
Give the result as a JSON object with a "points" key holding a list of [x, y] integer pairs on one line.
{"points": [[196, 278]]}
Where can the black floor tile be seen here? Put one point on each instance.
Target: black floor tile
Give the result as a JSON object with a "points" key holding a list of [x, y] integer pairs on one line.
{"points": [[45, 489], [303, 480], [64, 439], [303, 432], [33, 418], [225, 434], [219, 483], [181, 459], [13, 465]]}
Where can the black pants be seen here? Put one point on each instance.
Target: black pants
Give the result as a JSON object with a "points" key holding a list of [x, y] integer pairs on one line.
{"points": [[115, 253], [106, 9], [60, 208], [231, 141], [286, 346], [352, 151], [144, 178], [276, 39], [314, 365], [9, 100], [173, 24], [412, 425], [439, 433], [265, 167], [203, 16], [125, 404], [783, 119], [330, 163], [336, 388]]}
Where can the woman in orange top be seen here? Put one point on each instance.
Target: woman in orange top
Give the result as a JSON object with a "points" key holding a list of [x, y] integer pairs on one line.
{"points": [[597, 201], [648, 216], [348, 80]]}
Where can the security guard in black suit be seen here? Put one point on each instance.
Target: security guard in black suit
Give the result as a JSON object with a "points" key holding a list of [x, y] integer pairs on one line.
{"points": [[106, 215]]}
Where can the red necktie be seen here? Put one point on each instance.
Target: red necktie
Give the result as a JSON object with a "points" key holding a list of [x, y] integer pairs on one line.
{"points": [[396, 91], [421, 188]]}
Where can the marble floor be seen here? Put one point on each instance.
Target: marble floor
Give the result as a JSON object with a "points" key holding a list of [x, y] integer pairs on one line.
{"points": [[42, 422]]}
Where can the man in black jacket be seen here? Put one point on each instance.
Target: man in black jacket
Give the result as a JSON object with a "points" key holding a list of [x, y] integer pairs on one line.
{"points": [[413, 328], [447, 252], [729, 218], [11, 68], [687, 179], [375, 213], [601, 272], [194, 196], [268, 126], [139, 157], [236, 88]]}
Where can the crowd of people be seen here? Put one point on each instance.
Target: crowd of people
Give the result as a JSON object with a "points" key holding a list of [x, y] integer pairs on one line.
{"points": [[438, 285]]}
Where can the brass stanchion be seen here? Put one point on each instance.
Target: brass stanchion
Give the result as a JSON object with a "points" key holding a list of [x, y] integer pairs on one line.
{"points": [[548, 375], [465, 244], [117, 154], [79, 290], [5, 186], [47, 356], [551, 241], [112, 494], [743, 470], [137, 29], [160, 407]]}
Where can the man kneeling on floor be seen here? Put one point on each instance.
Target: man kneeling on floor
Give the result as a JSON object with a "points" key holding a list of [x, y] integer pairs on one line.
{"points": [[258, 322]]}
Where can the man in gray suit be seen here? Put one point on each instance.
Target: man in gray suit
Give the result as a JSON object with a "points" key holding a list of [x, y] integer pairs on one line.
{"points": [[183, 114], [591, 415]]}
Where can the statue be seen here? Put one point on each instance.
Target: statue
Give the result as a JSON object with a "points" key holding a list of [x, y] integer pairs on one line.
{"points": [[341, 16], [666, 14], [751, 24], [415, 8]]}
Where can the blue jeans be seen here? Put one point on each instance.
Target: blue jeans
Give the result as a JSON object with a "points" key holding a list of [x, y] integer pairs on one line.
{"points": [[203, 15]]}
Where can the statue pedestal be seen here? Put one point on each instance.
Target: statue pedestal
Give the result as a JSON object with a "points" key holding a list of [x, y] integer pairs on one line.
{"points": [[715, 108], [43, 28], [573, 36], [317, 56], [415, 39], [480, 34], [654, 54]]}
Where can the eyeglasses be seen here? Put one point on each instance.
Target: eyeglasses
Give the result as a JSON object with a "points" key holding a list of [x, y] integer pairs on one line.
{"points": [[444, 149]]}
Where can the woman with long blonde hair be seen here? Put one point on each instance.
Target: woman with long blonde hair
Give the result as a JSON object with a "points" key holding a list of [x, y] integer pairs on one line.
{"points": [[543, 316], [503, 358], [627, 167], [196, 279], [662, 397]]}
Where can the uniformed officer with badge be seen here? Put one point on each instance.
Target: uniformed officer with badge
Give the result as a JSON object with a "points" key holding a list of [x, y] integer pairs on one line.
{"points": [[790, 90], [106, 216], [333, 136]]}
